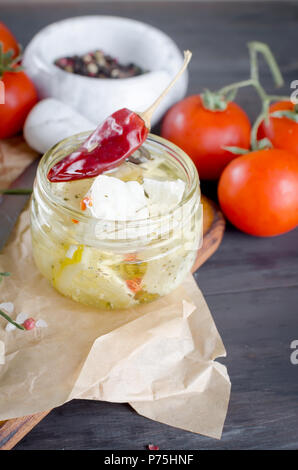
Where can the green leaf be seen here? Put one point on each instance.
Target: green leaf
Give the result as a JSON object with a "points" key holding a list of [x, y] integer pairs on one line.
{"points": [[16, 191], [292, 115], [263, 144], [7, 317], [231, 95], [213, 101], [237, 150], [2, 275], [7, 56]]}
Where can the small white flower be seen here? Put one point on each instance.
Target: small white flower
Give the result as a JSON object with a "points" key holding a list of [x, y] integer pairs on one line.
{"points": [[8, 307], [21, 317], [41, 324], [10, 327]]}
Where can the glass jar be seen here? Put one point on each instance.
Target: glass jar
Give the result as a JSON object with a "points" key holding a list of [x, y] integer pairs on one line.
{"points": [[115, 264]]}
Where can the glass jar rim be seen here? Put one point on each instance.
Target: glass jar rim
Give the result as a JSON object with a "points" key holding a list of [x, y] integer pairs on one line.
{"points": [[181, 157]]}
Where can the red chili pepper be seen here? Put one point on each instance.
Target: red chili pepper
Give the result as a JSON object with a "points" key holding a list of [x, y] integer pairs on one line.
{"points": [[153, 447], [115, 139]]}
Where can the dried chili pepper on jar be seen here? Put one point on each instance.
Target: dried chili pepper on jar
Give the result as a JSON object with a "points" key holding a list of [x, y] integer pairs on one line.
{"points": [[114, 140]]}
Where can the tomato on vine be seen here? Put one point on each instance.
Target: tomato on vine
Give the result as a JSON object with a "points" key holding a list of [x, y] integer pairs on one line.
{"points": [[208, 127], [282, 126], [258, 192], [8, 41], [19, 91], [20, 97], [203, 125]]}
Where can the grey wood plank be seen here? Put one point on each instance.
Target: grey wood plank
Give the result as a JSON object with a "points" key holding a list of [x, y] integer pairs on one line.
{"points": [[243, 263]]}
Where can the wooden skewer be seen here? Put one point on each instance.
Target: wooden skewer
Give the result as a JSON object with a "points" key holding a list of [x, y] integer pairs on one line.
{"points": [[146, 115]]}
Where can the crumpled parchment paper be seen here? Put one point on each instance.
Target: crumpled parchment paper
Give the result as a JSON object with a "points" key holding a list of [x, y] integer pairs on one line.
{"points": [[159, 357], [15, 156]]}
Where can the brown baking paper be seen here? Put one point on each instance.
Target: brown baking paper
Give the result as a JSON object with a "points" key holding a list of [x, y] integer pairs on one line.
{"points": [[159, 357], [15, 156]]}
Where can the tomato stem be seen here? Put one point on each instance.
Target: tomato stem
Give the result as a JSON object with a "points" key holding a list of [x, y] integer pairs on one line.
{"points": [[235, 86], [217, 101], [254, 48], [254, 130]]}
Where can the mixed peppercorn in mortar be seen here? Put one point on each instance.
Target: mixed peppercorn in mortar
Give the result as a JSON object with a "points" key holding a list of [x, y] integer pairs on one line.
{"points": [[124, 237], [97, 64]]}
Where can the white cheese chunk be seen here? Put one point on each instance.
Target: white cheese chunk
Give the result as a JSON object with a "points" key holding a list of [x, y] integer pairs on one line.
{"points": [[114, 199], [163, 195]]}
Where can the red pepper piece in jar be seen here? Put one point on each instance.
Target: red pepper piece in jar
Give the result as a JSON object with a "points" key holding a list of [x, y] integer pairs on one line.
{"points": [[114, 140], [134, 284]]}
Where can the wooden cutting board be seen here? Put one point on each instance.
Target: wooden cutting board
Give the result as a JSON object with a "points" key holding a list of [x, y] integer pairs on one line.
{"points": [[15, 155]]}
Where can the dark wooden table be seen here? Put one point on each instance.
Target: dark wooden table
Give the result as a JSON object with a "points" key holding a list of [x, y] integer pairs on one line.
{"points": [[250, 284]]}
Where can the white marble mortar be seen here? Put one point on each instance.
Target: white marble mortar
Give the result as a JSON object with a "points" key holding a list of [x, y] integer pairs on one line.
{"points": [[126, 39]]}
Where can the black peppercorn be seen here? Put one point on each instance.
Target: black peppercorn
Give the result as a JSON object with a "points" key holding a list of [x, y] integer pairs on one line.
{"points": [[97, 64]]}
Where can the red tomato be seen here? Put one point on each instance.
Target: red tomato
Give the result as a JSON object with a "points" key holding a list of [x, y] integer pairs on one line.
{"points": [[8, 40], [282, 132], [202, 133], [258, 192], [20, 96]]}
